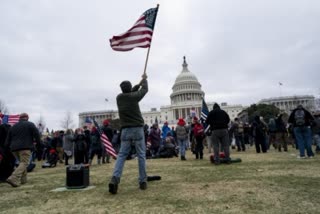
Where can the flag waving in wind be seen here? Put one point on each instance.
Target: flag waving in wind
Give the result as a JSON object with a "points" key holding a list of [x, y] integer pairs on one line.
{"points": [[9, 119], [106, 141], [204, 112], [140, 35]]}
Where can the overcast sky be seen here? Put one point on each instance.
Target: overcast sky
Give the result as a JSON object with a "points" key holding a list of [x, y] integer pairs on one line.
{"points": [[55, 55]]}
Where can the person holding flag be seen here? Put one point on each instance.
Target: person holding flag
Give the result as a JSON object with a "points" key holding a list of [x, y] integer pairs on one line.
{"points": [[131, 120], [132, 123]]}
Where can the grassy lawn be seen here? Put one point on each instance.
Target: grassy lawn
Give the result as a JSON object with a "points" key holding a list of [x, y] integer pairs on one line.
{"points": [[263, 183]]}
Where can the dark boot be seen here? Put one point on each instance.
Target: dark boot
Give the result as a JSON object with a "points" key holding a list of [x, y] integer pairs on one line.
{"points": [[143, 185], [113, 185], [183, 158]]}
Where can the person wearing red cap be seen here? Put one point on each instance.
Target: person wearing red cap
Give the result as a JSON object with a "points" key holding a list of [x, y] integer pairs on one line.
{"points": [[198, 132], [182, 137], [20, 139]]}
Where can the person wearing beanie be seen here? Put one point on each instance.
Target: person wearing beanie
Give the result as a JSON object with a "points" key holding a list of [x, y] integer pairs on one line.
{"points": [[106, 122], [218, 120], [182, 137], [132, 131], [21, 137]]}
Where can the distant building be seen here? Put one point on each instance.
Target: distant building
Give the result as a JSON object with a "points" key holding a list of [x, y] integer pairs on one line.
{"points": [[288, 103], [186, 102]]}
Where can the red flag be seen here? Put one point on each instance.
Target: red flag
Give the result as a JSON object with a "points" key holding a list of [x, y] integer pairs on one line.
{"points": [[140, 35]]}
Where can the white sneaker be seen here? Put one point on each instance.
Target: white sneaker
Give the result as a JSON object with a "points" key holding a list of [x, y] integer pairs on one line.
{"points": [[311, 157], [301, 157]]}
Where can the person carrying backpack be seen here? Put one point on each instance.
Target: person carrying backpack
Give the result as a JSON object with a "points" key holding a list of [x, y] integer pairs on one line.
{"points": [[301, 119]]}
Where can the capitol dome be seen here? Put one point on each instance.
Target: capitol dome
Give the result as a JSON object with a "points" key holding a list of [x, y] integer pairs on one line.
{"points": [[186, 88]]}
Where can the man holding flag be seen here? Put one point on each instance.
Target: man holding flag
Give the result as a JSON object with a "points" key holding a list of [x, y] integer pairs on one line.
{"points": [[131, 131], [131, 121]]}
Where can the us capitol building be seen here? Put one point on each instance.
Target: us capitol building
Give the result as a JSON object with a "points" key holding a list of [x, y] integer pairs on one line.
{"points": [[186, 102]]}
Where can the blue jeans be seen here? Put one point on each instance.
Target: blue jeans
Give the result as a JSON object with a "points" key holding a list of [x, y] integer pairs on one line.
{"points": [[131, 136], [303, 137], [316, 138], [182, 146]]}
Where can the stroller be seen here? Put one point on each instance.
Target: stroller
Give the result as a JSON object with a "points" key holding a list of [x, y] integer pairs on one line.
{"points": [[52, 159]]}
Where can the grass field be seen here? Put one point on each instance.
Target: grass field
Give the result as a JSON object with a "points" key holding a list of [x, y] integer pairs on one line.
{"points": [[263, 183]]}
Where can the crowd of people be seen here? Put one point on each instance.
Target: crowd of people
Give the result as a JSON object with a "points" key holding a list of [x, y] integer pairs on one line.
{"points": [[301, 130], [22, 143]]}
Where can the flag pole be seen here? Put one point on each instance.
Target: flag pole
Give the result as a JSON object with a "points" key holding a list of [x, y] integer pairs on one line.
{"points": [[147, 58]]}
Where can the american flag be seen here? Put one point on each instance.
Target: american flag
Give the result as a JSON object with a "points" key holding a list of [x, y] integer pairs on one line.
{"points": [[140, 35], [10, 119], [204, 112], [105, 140], [204, 115]]}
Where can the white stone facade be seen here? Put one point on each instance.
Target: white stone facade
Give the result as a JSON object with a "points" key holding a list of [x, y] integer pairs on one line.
{"points": [[186, 102], [288, 103]]}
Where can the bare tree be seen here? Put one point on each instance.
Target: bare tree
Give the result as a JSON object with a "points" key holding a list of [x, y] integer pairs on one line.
{"points": [[67, 121], [3, 107]]}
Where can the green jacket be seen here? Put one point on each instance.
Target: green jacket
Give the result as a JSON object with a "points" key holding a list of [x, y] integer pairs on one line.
{"points": [[128, 106]]}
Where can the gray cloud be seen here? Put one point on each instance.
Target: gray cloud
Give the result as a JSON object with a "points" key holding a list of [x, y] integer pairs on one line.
{"points": [[55, 55]]}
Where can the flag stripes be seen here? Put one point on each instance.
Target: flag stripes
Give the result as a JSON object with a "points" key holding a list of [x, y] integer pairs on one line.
{"points": [[204, 112], [10, 119], [105, 141], [140, 35], [108, 146]]}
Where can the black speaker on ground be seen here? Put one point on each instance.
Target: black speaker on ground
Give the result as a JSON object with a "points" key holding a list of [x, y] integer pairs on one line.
{"points": [[77, 176]]}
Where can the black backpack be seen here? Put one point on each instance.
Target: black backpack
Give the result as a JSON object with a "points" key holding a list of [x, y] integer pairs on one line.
{"points": [[299, 117]]}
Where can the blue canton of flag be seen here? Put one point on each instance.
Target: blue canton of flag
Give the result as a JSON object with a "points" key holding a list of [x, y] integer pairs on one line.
{"points": [[204, 112], [150, 17]]}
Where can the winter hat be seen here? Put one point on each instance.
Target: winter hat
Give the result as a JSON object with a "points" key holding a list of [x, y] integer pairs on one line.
{"points": [[24, 116], [181, 122], [93, 129], [106, 122], [126, 86], [216, 106]]}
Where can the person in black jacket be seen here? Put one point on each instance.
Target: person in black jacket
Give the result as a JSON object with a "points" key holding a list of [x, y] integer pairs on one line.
{"points": [[80, 147], [218, 120], [302, 120], [258, 130], [7, 159], [20, 138], [281, 134]]}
